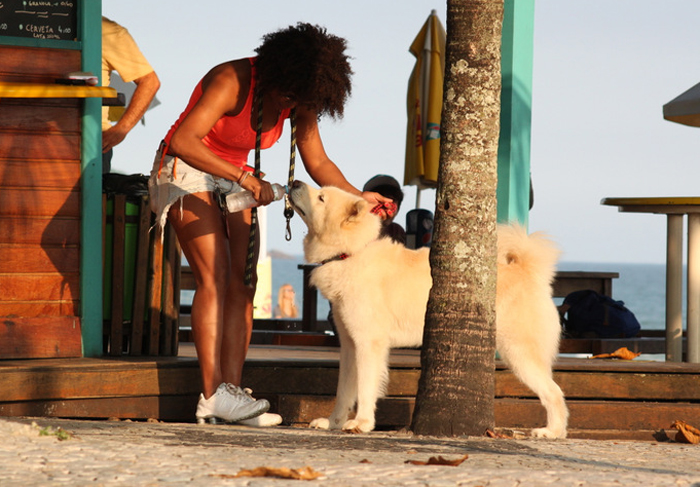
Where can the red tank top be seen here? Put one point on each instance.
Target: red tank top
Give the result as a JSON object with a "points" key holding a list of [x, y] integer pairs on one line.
{"points": [[232, 137]]}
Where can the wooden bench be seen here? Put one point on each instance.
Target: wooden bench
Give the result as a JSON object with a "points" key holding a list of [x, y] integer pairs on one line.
{"points": [[566, 282]]}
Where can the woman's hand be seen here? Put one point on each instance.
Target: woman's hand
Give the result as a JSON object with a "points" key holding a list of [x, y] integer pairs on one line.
{"points": [[261, 190]]}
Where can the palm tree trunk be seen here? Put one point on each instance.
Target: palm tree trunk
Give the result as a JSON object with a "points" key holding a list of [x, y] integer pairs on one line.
{"points": [[456, 388]]}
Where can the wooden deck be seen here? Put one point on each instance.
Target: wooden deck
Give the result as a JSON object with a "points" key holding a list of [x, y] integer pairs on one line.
{"points": [[607, 399]]}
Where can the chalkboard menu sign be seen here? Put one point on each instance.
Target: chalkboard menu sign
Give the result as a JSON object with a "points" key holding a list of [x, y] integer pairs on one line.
{"points": [[39, 19]]}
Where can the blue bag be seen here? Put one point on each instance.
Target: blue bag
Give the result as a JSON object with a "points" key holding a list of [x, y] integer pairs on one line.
{"points": [[591, 314]]}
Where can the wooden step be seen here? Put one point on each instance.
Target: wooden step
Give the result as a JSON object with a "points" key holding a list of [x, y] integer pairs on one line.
{"points": [[618, 399]]}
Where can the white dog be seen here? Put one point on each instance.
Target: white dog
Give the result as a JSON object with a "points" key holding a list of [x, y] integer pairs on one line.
{"points": [[379, 293]]}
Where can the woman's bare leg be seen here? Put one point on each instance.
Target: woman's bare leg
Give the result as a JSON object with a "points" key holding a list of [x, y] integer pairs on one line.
{"points": [[238, 310], [201, 231], [238, 305]]}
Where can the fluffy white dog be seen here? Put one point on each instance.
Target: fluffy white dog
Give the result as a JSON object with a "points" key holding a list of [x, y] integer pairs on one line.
{"points": [[379, 293]]}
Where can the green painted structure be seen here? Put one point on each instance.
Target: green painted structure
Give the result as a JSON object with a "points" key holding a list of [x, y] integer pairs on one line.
{"points": [[90, 24], [516, 109]]}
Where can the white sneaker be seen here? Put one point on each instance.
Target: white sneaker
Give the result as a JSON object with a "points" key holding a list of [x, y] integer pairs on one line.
{"points": [[230, 403], [262, 421]]}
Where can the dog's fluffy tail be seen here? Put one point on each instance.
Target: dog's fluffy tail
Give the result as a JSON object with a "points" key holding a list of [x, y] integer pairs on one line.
{"points": [[536, 254]]}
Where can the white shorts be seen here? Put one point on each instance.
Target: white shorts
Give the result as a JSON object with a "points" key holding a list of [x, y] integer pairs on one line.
{"points": [[166, 189]]}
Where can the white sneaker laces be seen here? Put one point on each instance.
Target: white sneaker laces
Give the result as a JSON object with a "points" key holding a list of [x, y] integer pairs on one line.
{"points": [[237, 391]]}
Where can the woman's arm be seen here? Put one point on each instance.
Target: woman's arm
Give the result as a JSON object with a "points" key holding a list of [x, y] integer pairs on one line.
{"points": [[317, 163], [222, 94]]}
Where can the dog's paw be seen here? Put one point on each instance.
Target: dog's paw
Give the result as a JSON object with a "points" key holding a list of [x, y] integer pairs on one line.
{"points": [[320, 424], [548, 433], [358, 426]]}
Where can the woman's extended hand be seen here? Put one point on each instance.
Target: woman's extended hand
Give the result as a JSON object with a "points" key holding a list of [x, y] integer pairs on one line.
{"points": [[381, 205], [376, 198]]}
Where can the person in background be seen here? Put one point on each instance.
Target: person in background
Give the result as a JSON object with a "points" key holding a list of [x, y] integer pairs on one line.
{"points": [[203, 158], [389, 187], [121, 54], [286, 304]]}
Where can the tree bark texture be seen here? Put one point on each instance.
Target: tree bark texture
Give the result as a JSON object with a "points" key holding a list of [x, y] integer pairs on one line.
{"points": [[456, 388]]}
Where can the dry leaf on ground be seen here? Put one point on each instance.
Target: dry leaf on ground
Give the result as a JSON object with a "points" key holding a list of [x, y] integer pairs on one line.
{"points": [[505, 434], [439, 461], [304, 473], [500, 433], [621, 353], [686, 433]]}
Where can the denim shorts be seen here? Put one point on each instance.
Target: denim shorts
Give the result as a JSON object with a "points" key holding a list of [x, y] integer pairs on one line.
{"points": [[177, 179]]}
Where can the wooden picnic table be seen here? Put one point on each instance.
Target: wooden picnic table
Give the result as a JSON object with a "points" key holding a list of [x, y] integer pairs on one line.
{"points": [[675, 208]]}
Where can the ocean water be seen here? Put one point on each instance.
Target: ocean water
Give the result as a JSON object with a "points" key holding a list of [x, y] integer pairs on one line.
{"points": [[642, 287]]}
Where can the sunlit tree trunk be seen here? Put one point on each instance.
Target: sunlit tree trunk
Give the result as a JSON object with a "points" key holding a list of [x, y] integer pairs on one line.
{"points": [[456, 388]]}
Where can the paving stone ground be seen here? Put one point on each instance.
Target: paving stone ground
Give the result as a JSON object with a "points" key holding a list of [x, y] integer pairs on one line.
{"points": [[110, 453]]}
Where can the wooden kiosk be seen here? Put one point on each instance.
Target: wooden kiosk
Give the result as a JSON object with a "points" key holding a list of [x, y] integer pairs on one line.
{"points": [[50, 186], [53, 215]]}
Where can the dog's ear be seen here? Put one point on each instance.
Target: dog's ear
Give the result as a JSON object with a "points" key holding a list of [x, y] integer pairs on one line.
{"points": [[355, 210]]}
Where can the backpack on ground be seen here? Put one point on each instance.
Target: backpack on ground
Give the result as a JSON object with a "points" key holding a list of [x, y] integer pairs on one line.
{"points": [[589, 314]]}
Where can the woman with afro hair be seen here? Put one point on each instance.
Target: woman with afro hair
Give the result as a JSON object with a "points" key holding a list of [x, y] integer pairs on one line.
{"points": [[204, 157]]}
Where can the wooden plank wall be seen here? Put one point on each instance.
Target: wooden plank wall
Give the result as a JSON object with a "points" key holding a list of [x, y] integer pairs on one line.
{"points": [[39, 210]]}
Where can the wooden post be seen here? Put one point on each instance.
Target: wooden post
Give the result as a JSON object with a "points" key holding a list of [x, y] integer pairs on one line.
{"points": [[116, 335], [141, 283]]}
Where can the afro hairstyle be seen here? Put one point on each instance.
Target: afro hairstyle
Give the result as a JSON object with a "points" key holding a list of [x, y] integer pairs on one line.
{"points": [[307, 64]]}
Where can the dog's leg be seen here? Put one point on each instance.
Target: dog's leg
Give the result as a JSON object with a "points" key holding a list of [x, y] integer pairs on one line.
{"points": [[536, 374], [346, 392], [373, 372]]}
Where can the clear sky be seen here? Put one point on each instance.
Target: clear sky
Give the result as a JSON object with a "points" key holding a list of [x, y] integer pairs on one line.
{"points": [[602, 72]]}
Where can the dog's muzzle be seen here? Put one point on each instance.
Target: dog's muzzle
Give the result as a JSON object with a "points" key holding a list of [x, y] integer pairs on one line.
{"points": [[293, 191]]}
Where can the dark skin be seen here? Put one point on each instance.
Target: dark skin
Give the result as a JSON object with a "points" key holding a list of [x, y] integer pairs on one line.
{"points": [[222, 308]]}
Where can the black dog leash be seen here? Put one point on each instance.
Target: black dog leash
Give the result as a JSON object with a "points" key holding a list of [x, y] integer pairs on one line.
{"points": [[250, 257], [288, 210]]}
